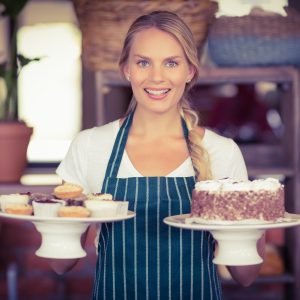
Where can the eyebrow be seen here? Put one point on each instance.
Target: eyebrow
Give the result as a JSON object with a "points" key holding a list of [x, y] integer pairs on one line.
{"points": [[167, 58]]}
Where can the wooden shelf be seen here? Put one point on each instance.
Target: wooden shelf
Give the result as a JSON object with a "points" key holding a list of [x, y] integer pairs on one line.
{"points": [[284, 278], [246, 75], [45, 185], [256, 171], [269, 160], [264, 288], [221, 75]]}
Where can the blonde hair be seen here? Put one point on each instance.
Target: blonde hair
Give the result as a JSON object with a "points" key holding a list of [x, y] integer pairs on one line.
{"points": [[172, 24]]}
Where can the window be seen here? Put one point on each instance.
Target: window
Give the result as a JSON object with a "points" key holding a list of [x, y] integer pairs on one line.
{"points": [[50, 89]]}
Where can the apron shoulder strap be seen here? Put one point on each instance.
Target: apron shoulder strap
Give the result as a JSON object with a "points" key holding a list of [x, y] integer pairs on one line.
{"points": [[185, 130], [118, 148]]}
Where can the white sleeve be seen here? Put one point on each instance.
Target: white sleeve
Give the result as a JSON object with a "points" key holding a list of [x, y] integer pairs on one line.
{"points": [[73, 167], [225, 157], [236, 164]]}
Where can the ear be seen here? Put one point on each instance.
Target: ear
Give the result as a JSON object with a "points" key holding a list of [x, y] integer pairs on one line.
{"points": [[126, 72], [192, 71]]}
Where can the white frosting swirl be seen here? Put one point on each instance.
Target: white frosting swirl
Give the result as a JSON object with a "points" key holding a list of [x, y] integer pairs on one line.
{"points": [[229, 185], [268, 184], [208, 185], [241, 186]]}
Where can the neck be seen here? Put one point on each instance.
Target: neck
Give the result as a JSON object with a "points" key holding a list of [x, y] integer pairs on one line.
{"points": [[156, 124]]}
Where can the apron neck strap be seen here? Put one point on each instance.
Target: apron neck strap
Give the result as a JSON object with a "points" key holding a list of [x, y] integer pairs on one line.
{"points": [[119, 147], [120, 143], [185, 130]]}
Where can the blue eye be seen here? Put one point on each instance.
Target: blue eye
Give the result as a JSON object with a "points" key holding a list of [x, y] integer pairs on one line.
{"points": [[172, 64], [143, 63]]}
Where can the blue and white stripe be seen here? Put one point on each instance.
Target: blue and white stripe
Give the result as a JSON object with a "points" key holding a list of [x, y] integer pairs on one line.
{"points": [[142, 258]]}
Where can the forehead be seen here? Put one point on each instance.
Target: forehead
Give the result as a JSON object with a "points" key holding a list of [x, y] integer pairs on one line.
{"points": [[154, 42]]}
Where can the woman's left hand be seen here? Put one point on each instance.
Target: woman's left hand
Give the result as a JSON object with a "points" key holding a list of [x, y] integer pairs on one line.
{"points": [[245, 275]]}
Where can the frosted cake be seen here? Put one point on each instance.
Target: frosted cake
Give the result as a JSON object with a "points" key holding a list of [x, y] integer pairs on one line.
{"points": [[228, 200]]}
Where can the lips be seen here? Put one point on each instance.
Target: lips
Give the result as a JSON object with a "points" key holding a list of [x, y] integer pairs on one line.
{"points": [[157, 92]]}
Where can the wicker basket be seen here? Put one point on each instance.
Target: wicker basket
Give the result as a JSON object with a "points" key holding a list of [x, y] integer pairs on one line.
{"points": [[255, 40], [104, 25]]}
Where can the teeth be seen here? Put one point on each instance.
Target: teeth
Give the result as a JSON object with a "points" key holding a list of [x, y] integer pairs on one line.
{"points": [[156, 92]]}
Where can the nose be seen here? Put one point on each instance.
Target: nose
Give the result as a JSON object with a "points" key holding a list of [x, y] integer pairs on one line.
{"points": [[156, 74]]}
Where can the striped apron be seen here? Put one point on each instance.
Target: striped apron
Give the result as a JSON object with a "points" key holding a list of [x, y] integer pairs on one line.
{"points": [[143, 258]]}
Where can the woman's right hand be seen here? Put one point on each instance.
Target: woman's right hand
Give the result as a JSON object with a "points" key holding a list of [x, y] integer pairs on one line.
{"points": [[62, 266]]}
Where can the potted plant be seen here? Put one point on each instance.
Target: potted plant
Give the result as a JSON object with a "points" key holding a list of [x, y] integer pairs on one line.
{"points": [[14, 134]]}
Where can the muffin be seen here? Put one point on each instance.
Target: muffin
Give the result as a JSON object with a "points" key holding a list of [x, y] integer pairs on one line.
{"points": [[78, 201], [99, 196], [13, 199], [106, 208], [40, 197], [47, 208], [68, 191], [18, 209], [73, 212]]}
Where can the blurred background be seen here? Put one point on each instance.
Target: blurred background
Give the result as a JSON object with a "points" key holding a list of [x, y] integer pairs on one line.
{"points": [[65, 55]]}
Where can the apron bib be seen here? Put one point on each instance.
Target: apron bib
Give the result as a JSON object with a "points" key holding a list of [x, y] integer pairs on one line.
{"points": [[143, 258]]}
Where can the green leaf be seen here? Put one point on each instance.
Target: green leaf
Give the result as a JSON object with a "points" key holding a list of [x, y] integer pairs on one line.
{"points": [[23, 61], [2, 69], [12, 8]]}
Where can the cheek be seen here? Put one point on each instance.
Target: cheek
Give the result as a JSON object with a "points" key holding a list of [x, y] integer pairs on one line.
{"points": [[179, 79], [178, 76], [138, 77]]}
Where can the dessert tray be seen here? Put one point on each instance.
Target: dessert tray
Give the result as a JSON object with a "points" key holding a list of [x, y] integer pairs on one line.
{"points": [[236, 240], [61, 236]]}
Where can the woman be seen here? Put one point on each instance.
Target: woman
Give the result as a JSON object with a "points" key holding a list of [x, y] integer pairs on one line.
{"points": [[152, 158]]}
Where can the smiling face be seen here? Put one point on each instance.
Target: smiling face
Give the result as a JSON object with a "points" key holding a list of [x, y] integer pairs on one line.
{"points": [[158, 70]]}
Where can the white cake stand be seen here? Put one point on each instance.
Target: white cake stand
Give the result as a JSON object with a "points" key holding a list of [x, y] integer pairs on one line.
{"points": [[237, 248], [61, 236], [236, 240]]}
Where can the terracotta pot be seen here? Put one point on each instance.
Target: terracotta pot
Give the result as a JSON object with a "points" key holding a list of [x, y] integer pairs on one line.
{"points": [[14, 140]]}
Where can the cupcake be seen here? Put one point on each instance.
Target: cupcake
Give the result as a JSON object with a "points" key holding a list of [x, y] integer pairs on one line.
{"points": [[39, 197], [73, 212], [13, 199], [68, 191], [99, 196], [74, 208], [47, 208], [78, 201], [18, 209], [106, 208]]}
